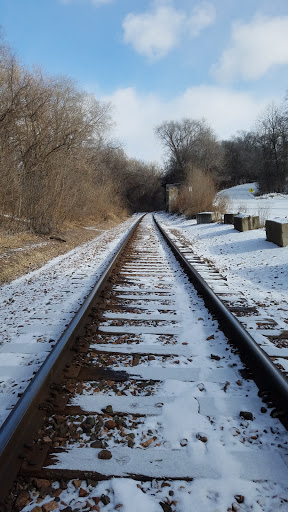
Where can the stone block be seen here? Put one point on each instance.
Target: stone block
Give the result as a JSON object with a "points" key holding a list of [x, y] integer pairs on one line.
{"points": [[229, 218], [208, 217], [246, 222], [277, 231]]}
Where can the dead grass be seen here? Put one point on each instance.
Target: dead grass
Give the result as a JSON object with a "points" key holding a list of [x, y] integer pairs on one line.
{"points": [[16, 240], [223, 204], [197, 194], [23, 252]]}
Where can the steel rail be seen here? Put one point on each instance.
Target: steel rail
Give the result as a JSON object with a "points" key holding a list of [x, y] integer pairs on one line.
{"points": [[265, 373], [17, 420]]}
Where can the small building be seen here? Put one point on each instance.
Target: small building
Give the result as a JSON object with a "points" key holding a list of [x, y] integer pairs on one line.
{"points": [[172, 191]]}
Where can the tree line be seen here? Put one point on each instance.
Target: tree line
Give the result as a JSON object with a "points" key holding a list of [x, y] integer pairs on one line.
{"points": [[198, 162], [261, 154], [58, 160]]}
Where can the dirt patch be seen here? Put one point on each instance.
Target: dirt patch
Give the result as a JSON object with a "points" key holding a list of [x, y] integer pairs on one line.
{"points": [[23, 252]]}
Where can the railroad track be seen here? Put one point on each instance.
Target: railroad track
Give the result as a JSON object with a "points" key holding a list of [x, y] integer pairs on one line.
{"points": [[151, 408], [268, 330]]}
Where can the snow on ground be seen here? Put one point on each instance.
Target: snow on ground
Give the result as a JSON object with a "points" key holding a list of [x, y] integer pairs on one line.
{"points": [[251, 264], [268, 206], [199, 432], [38, 306]]}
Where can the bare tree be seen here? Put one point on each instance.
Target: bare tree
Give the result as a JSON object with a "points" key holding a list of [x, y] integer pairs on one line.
{"points": [[189, 142], [241, 160], [57, 159], [14, 81], [54, 126], [271, 135]]}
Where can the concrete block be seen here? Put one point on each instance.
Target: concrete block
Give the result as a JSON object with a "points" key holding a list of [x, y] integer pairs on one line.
{"points": [[208, 217], [229, 218], [277, 231], [246, 222]]}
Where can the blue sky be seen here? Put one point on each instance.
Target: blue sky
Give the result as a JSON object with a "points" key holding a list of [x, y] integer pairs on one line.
{"points": [[157, 60]]}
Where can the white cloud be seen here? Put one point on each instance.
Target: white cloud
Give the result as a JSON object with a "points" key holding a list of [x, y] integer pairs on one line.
{"points": [[154, 33], [97, 3], [101, 2], [255, 48], [137, 115], [202, 16]]}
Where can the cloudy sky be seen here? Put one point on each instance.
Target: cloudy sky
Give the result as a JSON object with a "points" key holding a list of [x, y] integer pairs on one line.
{"points": [[156, 60]]}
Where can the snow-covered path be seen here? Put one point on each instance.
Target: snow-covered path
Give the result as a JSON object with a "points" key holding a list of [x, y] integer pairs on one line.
{"points": [[267, 206]]}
